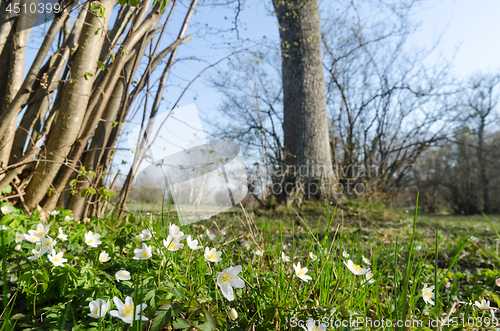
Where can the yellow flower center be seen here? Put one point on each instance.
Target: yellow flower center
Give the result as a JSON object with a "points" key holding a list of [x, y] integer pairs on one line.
{"points": [[301, 272], [315, 328], [171, 246], [368, 276], [128, 310], [95, 311], [212, 255], [427, 294], [57, 259], [225, 278], [39, 232], [91, 240], [356, 267], [144, 253], [181, 233]]}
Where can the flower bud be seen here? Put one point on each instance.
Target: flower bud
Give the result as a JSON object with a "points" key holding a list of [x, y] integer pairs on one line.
{"points": [[232, 314]]}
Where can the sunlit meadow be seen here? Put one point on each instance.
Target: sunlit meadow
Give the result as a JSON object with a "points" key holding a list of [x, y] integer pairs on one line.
{"points": [[242, 271]]}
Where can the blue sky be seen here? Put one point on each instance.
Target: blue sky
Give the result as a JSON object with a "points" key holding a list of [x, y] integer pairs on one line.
{"points": [[468, 32]]}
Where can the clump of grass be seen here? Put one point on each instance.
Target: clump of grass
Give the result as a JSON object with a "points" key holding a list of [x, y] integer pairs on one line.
{"points": [[182, 289]]}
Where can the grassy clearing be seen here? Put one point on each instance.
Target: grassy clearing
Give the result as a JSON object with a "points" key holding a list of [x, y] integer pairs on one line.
{"points": [[457, 255]]}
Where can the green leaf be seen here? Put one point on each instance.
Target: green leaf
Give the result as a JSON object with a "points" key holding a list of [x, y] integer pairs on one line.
{"points": [[73, 182], [179, 293], [204, 327], [7, 189], [149, 295], [92, 190], [162, 316], [176, 309], [210, 319], [87, 75], [181, 323]]}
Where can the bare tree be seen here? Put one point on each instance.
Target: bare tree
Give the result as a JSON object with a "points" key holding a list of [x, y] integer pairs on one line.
{"points": [[71, 108]]}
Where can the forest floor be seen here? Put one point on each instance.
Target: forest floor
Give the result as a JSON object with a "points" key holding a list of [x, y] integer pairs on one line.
{"points": [[367, 268]]}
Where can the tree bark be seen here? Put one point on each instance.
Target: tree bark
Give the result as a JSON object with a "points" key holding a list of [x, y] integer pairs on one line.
{"points": [[98, 101], [17, 100], [73, 105], [305, 126]]}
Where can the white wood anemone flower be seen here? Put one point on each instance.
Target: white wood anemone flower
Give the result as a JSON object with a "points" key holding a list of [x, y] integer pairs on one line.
{"points": [[483, 305], [258, 252], [57, 259], [19, 237], [345, 255], [127, 312], [311, 326], [98, 308], [40, 231], [31, 239], [497, 281], [284, 257], [37, 254], [145, 235], [3, 227], [428, 295], [366, 261], [232, 314], [175, 232], [172, 244], [312, 256], [355, 268], [47, 243], [369, 277], [210, 235], [92, 239], [227, 279], [7, 209], [54, 212], [193, 244], [143, 253], [61, 235], [301, 272], [104, 257], [212, 255], [122, 275]]}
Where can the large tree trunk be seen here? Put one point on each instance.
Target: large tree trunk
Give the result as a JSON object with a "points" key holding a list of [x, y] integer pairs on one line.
{"points": [[305, 125]]}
